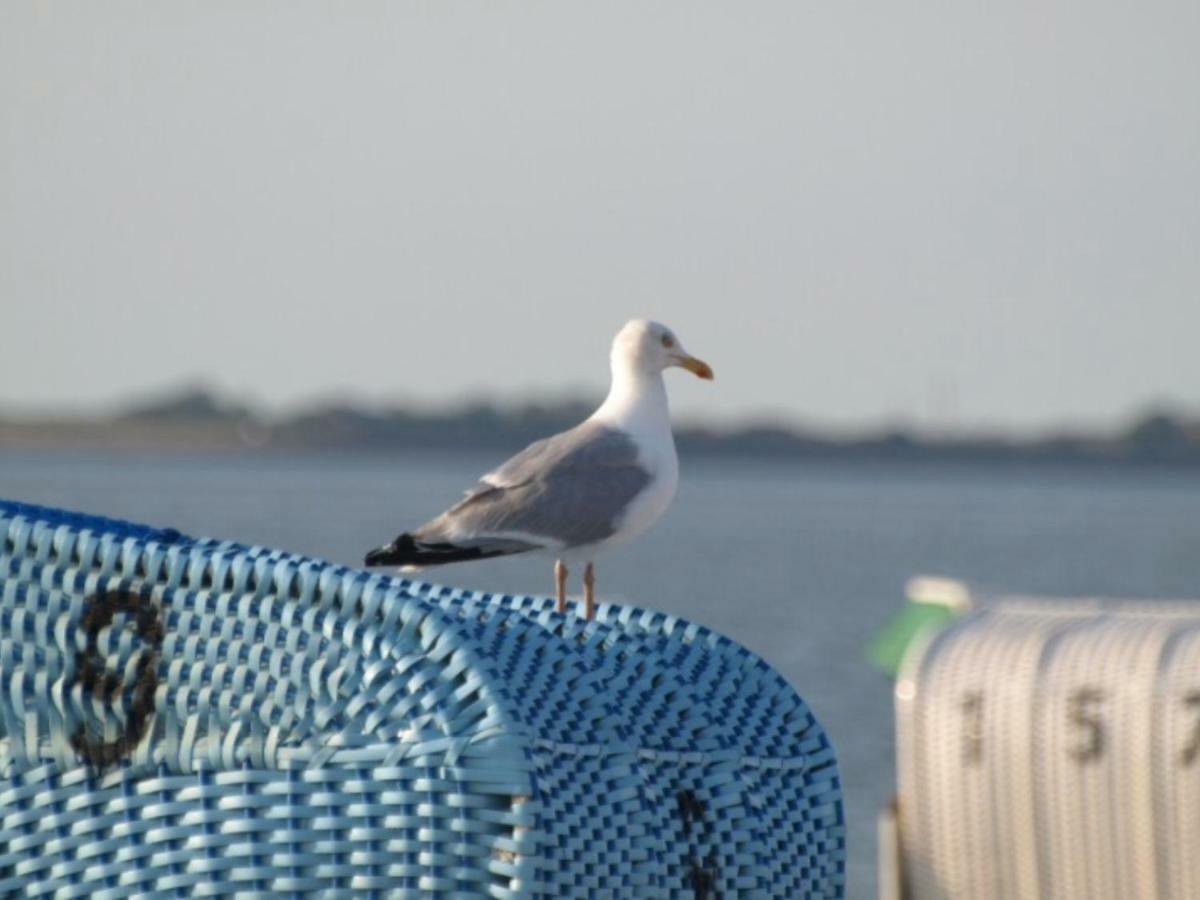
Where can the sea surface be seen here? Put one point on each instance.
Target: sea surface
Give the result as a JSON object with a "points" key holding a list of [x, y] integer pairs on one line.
{"points": [[801, 563]]}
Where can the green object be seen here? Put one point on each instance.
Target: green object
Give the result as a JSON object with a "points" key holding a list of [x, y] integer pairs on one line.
{"points": [[932, 604]]}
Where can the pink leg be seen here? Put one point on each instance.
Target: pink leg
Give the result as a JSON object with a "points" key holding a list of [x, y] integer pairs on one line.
{"points": [[589, 592], [560, 585]]}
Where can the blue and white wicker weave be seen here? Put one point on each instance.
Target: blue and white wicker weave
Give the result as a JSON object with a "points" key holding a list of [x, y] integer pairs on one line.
{"points": [[186, 717]]}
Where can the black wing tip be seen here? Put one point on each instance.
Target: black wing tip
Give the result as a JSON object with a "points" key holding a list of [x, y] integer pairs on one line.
{"points": [[402, 551], [405, 551]]}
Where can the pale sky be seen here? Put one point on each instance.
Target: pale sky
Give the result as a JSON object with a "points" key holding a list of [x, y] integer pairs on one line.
{"points": [[944, 213]]}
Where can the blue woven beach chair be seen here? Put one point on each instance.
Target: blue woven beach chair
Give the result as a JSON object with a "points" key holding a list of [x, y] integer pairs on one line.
{"points": [[184, 717]]}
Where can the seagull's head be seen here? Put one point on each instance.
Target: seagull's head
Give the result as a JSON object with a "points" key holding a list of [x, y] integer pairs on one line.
{"points": [[649, 347]]}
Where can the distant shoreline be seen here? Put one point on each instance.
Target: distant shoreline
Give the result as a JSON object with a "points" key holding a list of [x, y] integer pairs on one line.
{"points": [[198, 422]]}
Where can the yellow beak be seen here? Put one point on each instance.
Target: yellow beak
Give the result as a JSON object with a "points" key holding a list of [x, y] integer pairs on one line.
{"points": [[698, 367]]}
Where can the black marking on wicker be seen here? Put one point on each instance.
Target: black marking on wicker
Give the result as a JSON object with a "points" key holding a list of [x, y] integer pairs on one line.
{"points": [[702, 875], [1192, 751], [972, 733], [690, 808], [702, 879], [1083, 714], [98, 613]]}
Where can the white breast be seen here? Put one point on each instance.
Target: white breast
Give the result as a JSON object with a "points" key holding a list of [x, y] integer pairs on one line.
{"points": [[637, 405], [658, 457]]}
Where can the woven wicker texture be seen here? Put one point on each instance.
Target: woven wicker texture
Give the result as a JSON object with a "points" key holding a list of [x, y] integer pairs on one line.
{"points": [[185, 717], [1051, 749]]}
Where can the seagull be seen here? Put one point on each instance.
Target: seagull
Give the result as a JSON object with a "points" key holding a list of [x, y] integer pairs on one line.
{"points": [[600, 483]]}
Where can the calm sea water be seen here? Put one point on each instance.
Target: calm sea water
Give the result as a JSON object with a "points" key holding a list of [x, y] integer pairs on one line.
{"points": [[802, 564]]}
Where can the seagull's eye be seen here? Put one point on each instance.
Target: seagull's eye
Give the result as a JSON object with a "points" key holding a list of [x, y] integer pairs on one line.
{"points": [[668, 341]]}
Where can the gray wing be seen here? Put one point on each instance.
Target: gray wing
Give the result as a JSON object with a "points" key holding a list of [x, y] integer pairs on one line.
{"points": [[569, 489]]}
